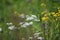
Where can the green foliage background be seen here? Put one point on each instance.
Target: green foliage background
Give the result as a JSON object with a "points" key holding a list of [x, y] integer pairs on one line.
{"points": [[8, 7]]}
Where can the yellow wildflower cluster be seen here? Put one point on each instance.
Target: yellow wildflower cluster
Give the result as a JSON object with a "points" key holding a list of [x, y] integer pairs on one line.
{"points": [[50, 15], [43, 4], [55, 14], [45, 18]]}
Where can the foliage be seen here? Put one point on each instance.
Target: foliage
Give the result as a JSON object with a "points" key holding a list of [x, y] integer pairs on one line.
{"points": [[29, 19]]}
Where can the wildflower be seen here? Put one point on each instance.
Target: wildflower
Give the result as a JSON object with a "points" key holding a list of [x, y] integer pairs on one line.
{"points": [[36, 20], [40, 38], [21, 23], [55, 15], [9, 23], [30, 23], [34, 16], [15, 12], [56, 19], [36, 34], [58, 14], [43, 4], [12, 27], [29, 18], [45, 18], [0, 29], [58, 10], [43, 12], [45, 15], [22, 15], [25, 24], [30, 37]]}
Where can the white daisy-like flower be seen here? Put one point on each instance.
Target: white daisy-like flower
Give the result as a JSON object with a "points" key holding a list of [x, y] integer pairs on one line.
{"points": [[34, 16], [25, 24], [36, 34], [40, 38], [0, 29], [21, 23], [29, 18], [30, 37], [12, 27], [36, 20], [9, 23], [22, 16], [30, 23]]}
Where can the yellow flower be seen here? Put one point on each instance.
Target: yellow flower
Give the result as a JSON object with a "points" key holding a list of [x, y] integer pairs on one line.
{"points": [[58, 10], [16, 13], [58, 14], [56, 19], [45, 18], [55, 15], [43, 4], [52, 13], [45, 14]]}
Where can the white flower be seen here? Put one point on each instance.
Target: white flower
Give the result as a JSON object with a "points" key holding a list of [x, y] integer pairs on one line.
{"points": [[25, 24], [36, 34], [12, 27], [34, 16], [30, 23], [22, 16], [9, 23], [30, 37], [29, 18], [36, 20], [41, 38], [21, 23], [0, 29]]}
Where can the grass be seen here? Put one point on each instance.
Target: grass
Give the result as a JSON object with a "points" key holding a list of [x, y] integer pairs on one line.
{"points": [[47, 27]]}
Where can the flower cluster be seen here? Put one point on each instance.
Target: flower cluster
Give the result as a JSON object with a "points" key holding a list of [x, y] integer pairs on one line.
{"points": [[0, 29], [29, 20], [50, 15], [32, 17], [11, 26], [25, 24]]}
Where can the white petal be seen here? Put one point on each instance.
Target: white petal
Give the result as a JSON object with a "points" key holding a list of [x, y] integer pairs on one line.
{"points": [[0, 29], [9, 23], [34, 16], [11, 27], [41, 38], [30, 23], [36, 20], [22, 16]]}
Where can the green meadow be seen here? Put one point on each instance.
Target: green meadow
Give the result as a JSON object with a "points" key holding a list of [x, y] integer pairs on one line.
{"points": [[29, 19]]}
